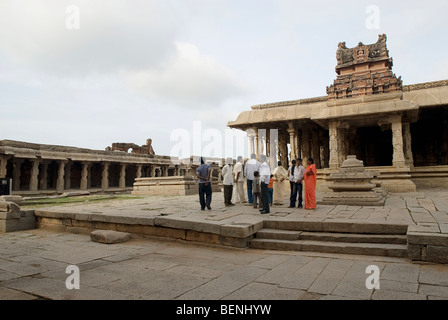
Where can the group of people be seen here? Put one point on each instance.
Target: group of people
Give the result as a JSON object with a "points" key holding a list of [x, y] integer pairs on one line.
{"points": [[263, 187]]}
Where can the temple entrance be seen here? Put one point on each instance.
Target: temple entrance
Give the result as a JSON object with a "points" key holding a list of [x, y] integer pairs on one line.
{"points": [[374, 146], [430, 137]]}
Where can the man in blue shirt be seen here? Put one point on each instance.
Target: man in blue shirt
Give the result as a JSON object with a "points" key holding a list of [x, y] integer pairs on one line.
{"points": [[203, 172]]}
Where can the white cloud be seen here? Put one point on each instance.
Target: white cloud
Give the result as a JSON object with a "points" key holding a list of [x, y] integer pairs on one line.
{"points": [[189, 78]]}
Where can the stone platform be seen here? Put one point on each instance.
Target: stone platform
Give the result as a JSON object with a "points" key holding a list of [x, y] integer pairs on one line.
{"points": [[419, 217]]}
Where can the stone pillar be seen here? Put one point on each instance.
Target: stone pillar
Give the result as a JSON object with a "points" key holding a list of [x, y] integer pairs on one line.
{"points": [[16, 174], [251, 136], [333, 145], [165, 171], [43, 177], [138, 174], [283, 149], [34, 180], [84, 176], [299, 144], [105, 177], [122, 183], [177, 171], [3, 163], [342, 142], [61, 176], [292, 139], [257, 151], [153, 171], [68, 175], [407, 141], [315, 148], [306, 152], [397, 142]]}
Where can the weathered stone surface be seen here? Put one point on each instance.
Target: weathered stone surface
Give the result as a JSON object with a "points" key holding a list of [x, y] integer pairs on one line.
{"points": [[435, 239], [241, 230], [415, 252], [437, 254], [16, 199], [6, 206], [109, 236]]}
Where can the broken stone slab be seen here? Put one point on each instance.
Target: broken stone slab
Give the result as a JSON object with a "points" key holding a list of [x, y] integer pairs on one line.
{"points": [[75, 194], [109, 236], [16, 199], [6, 206]]}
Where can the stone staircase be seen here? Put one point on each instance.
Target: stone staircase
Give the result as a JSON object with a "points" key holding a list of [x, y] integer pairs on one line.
{"points": [[387, 240]]}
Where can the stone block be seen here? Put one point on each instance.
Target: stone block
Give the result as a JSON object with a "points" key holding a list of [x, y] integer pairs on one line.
{"points": [[16, 199], [109, 236], [199, 226], [434, 239], [437, 254], [6, 206], [241, 230], [415, 252]]}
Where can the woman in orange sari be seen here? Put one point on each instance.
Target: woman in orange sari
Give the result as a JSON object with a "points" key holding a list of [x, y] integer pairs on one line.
{"points": [[310, 184]]}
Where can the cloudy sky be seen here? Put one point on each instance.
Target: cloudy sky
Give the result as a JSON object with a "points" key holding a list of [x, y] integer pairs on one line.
{"points": [[150, 68]]}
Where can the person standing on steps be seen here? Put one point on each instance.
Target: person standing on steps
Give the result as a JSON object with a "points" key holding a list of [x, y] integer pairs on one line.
{"points": [[291, 177], [265, 177], [251, 166], [280, 175], [310, 184], [238, 179], [299, 173], [227, 182], [203, 172]]}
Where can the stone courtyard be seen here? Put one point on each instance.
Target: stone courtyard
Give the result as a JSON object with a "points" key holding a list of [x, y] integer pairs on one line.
{"points": [[186, 260]]}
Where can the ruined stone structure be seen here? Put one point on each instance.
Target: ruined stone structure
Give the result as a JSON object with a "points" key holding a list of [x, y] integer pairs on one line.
{"points": [[397, 129], [135, 149], [45, 169]]}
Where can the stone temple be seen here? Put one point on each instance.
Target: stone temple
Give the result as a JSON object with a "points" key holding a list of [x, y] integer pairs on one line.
{"points": [[399, 130]]}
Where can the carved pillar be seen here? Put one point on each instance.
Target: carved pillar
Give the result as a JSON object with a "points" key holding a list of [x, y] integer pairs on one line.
{"points": [[61, 175], [105, 177], [16, 174], [306, 151], [397, 142], [165, 171], [153, 171], [138, 174], [342, 142], [177, 171], [68, 175], [292, 139], [257, 151], [34, 175], [43, 177], [283, 148], [334, 147], [407, 141], [315, 150], [3, 164], [299, 144], [84, 176], [251, 136], [122, 183]]}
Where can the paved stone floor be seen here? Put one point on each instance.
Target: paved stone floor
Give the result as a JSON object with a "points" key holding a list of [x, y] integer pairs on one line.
{"points": [[33, 265], [425, 211]]}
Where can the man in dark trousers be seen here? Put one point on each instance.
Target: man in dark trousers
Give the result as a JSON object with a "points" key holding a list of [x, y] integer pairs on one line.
{"points": [[265, 177], [203, 172]]}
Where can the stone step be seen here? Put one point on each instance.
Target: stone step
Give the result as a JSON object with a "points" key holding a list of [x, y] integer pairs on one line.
{"points": [[371, 249], [278, 234], [336, 225], [352, 237]]}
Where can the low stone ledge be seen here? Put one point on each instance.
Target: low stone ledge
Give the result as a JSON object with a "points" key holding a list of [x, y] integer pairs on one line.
{"points": [[199, 226], [434, 239]]}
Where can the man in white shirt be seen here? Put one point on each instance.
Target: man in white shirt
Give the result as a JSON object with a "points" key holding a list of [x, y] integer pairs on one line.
{"points": [[251, 166], [265, 177], [227, 181], [238, 178], [299, 174]]}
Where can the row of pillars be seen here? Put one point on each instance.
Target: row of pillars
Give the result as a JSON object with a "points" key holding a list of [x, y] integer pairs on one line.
{"points": [[63, 181], [401, 141]]}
